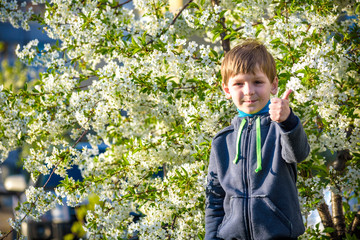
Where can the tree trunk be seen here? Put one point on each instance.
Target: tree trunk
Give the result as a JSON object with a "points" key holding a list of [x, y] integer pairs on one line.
{"points": [[336, 199], [341, 158], [355, 226], [338, 214], [326, 219]]}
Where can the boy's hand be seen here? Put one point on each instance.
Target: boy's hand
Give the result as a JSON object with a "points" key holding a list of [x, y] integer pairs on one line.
{"points": [[279, 107]]}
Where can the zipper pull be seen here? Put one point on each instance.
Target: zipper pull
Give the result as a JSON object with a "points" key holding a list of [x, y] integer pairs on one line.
{"points": [[251, 119]]}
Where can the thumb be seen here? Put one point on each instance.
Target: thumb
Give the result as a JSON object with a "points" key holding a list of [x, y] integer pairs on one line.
{"points": [[287, 94]]}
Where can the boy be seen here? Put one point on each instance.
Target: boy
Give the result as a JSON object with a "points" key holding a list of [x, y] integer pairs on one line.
{"points": [[251, 190]]}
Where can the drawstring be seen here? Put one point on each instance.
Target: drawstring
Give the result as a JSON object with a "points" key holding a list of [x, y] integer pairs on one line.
{"points": [[258, 144], [242, 124]]}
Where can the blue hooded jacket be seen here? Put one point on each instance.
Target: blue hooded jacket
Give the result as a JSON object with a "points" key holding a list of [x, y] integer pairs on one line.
{"points": [[251, 190]]}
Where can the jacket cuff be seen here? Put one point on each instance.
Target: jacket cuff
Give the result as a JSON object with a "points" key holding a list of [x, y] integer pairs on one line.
{"points": [[290, 123]]}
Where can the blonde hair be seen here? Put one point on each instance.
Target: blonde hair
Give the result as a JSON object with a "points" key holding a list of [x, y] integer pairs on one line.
{"points": [[246, 58]]}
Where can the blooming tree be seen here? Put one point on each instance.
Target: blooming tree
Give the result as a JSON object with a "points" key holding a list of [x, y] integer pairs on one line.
{"points": [[162, 68]]}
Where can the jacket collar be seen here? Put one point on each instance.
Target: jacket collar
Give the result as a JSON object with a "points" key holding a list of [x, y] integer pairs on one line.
{"points": [[265, 120]]}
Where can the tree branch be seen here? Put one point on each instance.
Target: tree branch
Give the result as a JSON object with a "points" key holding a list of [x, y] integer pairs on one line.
{"points": [[122, 4], [254, 24], [181, 10], [172, 22], [225, 43], [326, 219], [172, 226]]}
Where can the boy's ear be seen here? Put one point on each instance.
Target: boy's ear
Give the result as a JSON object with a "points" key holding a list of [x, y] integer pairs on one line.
{"points": [[226, 90], [274, 86]]}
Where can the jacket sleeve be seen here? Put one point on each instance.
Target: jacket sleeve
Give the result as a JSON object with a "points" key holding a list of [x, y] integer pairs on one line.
{"points": [[214, 211], [295, 146]]}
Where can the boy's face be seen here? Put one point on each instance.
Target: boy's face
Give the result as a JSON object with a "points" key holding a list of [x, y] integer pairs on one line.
{"points": [[250, 92]]}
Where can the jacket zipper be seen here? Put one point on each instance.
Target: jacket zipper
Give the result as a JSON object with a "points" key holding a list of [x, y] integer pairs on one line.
{"points": [[246, 180]]}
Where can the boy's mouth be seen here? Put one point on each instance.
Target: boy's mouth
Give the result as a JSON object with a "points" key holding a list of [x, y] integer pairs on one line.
{"points": [[249, 101]]}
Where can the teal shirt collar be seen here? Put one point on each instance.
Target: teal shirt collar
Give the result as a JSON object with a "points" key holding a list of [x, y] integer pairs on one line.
{"points": [[262, 111]]}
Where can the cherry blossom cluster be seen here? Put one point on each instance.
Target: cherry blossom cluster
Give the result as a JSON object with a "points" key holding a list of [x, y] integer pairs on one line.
{"points": [[11, 11], [140, 81]]}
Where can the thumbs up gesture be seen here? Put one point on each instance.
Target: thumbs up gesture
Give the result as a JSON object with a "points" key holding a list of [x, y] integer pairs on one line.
{"points": [[279, 107]]}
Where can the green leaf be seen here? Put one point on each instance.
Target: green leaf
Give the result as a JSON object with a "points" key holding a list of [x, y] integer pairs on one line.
{"points": [[216, 35], [329, 230], [134, 42], [143, 39], [186, 173], [222, 13], [193, 5], [357, 10], [178, 173]]}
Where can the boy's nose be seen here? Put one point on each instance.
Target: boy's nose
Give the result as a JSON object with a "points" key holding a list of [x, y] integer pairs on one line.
{"points": [[248, 89]]}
